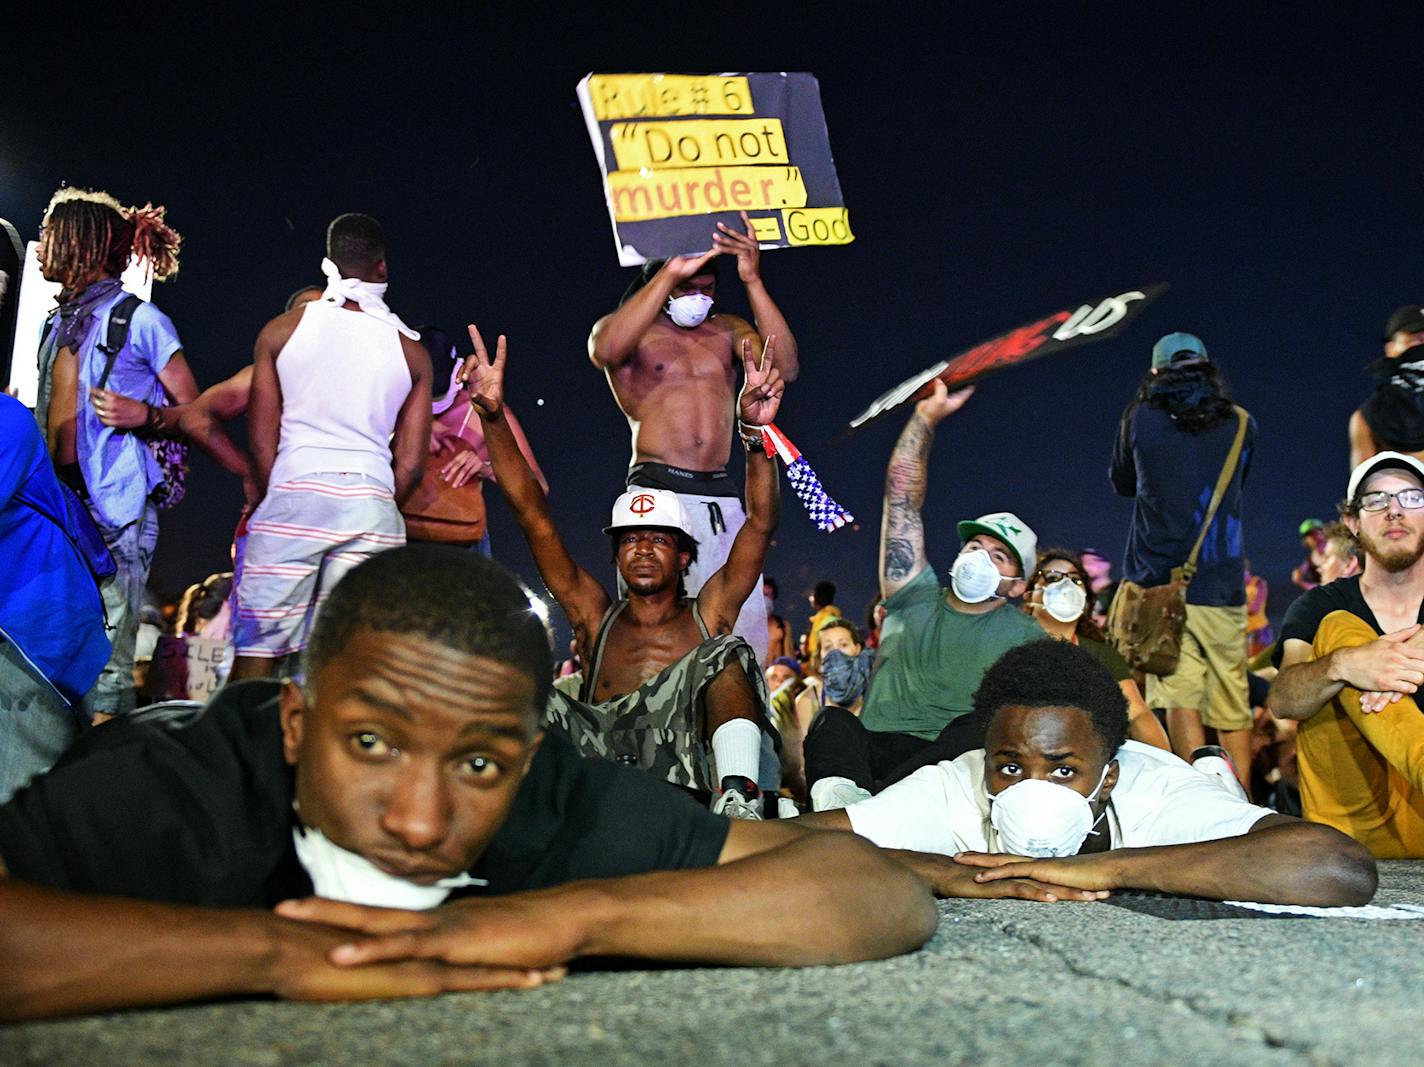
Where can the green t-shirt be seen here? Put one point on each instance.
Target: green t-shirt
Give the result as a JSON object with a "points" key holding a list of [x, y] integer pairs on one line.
{"points": [[931, 658], [1108, 656]]}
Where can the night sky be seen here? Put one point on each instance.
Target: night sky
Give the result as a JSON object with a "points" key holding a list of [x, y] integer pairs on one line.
{"points": [[997, 167]]}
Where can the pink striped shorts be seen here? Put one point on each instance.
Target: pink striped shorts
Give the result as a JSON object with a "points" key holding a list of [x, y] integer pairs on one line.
{"points": [[302, 538]]}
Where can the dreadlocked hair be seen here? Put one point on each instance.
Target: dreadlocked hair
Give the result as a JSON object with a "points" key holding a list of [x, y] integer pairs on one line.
{"points": [[88, 234]]}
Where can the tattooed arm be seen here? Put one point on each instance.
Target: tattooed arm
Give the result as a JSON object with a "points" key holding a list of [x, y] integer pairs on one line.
{"points": [[902, 529]]}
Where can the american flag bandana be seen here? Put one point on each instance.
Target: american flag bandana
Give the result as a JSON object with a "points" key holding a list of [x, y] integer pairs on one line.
{"points": [[824, 512]]}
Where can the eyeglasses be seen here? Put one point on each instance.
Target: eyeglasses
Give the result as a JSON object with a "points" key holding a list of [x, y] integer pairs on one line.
{"points": [[1409, 499], [1053, 577]]}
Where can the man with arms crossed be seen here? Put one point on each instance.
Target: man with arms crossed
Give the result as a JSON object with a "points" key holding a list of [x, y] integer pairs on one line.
{"points": [[1060, 797], [672, 367], [664, 676], [407, 769], [1351, 660]]}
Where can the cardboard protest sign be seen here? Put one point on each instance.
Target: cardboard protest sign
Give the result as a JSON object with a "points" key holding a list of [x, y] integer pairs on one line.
{"points": [[188, 667], [680, 153], [1093, 321]]}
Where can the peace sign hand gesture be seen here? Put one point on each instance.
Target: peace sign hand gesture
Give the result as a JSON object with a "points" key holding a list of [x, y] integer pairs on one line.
{"points": [[760, 398], [482, 379]]}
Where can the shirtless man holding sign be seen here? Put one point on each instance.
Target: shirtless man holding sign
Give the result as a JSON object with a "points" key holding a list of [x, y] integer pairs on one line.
{"points": [[672, 366]]}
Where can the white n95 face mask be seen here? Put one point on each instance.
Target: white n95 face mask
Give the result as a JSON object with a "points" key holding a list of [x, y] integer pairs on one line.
{"points": [[1065, 600], [341, 875], [1042, 819], [974, 578], [689, 311]]}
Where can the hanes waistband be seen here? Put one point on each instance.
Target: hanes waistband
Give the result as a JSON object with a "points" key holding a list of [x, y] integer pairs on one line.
{"points": [[652, 475]]}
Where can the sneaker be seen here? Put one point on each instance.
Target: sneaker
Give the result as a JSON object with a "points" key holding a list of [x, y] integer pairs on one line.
{"points": [[786, 808], [835, 792], [1213, 762], [739, 798]]}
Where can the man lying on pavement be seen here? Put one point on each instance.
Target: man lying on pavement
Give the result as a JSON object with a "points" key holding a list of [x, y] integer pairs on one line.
{"points": [[1059, 805], [406, 769]]}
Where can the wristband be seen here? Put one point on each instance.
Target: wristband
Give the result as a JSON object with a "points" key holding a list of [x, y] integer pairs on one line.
{"points": [[752, 437]]}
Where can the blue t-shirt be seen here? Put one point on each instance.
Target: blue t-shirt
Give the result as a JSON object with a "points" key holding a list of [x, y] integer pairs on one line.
{"points": [[1171, 474], [117, 466], [49, 603]]}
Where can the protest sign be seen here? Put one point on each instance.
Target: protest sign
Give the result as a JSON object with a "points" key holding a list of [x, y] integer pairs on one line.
{"points": [[1096, 320], [188, 667], [680, 153]]}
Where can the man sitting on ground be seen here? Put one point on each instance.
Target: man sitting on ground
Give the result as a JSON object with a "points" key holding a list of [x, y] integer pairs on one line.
{"points": [[1351, 661], [935, 642], [407, 769], [1059, 796], [1342, 557], [665, 678]]}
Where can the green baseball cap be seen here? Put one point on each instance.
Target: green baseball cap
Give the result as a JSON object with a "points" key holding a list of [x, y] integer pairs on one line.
{"points": [[1016, 534]]}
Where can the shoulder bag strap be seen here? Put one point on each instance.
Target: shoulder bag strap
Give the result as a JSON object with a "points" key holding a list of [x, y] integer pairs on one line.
{"points": [[1223, 480], [118, 333]]}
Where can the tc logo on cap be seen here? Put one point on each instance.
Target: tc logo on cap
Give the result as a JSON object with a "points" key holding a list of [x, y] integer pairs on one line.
{"points": [[642, 504]]}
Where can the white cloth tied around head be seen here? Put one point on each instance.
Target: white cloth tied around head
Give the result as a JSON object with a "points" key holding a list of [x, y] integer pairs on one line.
{"points": [[369, 296]]}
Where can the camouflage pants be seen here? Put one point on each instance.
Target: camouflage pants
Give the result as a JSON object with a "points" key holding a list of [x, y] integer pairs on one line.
{"points": [[659, 726]]}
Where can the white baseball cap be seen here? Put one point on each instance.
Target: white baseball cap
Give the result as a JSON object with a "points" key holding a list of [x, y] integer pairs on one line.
{"points": [[1382, 461], [1016, 534], [641, 508]]}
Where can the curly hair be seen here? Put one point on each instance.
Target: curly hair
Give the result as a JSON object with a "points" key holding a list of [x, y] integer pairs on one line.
{"points": [[89, 234], [1085, 627], [1051, 673]]}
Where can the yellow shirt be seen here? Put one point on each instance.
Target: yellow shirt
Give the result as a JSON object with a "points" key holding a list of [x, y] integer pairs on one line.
{"points": [[1363, 774]]}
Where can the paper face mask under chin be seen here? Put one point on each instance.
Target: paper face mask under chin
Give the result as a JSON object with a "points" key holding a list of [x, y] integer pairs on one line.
{"points": [[341, 875]]}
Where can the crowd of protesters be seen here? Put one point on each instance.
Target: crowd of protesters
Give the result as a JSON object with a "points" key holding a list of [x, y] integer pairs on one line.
{"points": [[360, 731]]}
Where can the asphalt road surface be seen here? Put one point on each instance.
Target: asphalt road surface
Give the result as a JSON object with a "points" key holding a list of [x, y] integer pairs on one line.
{"points": [[1003, 982]]}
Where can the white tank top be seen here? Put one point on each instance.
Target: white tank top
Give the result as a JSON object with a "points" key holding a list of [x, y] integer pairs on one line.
{"points": [[344, 378]]}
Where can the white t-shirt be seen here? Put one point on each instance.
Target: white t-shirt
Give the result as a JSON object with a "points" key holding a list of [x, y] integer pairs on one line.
{"points": [[1158, 800]]}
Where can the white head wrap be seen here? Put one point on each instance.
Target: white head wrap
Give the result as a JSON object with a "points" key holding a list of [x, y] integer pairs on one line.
{"points": [[370, 296]]}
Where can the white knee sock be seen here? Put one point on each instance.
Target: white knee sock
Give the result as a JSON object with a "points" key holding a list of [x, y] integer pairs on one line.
{"points": [[736, 746]]}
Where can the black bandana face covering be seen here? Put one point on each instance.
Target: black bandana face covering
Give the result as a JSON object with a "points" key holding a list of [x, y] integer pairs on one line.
{"points": [[1395, 410]]}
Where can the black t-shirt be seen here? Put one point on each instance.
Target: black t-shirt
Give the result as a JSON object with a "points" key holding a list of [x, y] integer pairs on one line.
{"points": [[202, 814], [1304, 615]]}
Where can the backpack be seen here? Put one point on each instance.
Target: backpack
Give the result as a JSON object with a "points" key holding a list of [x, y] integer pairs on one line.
{"points": [[170, 452]]}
